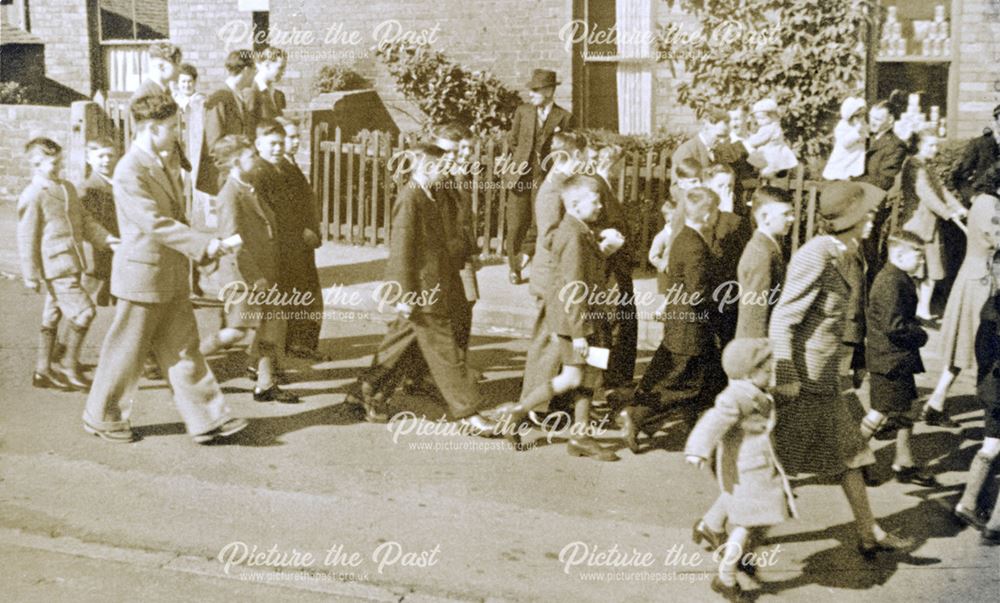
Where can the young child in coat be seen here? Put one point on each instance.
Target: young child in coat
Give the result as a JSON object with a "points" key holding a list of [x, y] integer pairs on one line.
{"points": [[571, 318], [51, 227], [894, 339], [659, 251], [98, 199], [769, 151], [968, 510], [755, 492], [251, 272], [847, 159]]}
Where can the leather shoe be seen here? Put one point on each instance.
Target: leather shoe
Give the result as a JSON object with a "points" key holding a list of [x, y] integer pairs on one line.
{"points": [[50, 379], [75, 380], [631, 420], [890, 542], [275, 394], [937, 418], [731, 593], [702, 533], [915, 475], [588, 447], [514, 276], [116, 436], [230, 427], [478, 425], [991, 537], [968, 517]]}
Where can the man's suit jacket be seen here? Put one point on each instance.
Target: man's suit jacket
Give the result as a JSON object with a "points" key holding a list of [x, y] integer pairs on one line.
{"points": [[614, 215], [577, 262], [150, 88], [894, 333], [979, 156], [530, 145], [548, 213], [883, 160], [418, 262], [761, 269], [151, 265], [225, 114], [688, 330], [456, 203], [261, 105], [51, 227], [98, 199]]}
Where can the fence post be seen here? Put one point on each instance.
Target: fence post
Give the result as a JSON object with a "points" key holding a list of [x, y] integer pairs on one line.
{"points": [[337, 181], [85, 124]]}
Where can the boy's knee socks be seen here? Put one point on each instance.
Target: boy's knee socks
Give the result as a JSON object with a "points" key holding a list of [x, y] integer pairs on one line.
{"points": [[978, 473]]}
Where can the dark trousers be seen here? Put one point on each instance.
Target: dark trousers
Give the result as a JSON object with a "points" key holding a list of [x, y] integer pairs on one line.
{"points": [[424, 343], [519, 213], [678, 378], [622, 337]]}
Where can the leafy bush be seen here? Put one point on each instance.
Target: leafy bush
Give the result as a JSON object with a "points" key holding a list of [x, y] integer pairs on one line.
{"points": [[948, 156], [446, 92], [13, 93], [338, 78], [806, 55]]}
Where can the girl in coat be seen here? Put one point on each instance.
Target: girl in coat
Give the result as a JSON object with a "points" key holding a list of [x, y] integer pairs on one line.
{"points": [[967, 296], [925, 201], [847, 160], [817, 431], [988, 392], [754, 490], [769, 151]]}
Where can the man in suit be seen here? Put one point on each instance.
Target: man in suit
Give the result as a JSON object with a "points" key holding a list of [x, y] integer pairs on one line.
{"points": [[164, 61], [714, 129], [420, 285], [529, 141], [150, 280], [686, 366], [979, 156], [225, 114], [263, 100], [761, 268], [883, 161]]}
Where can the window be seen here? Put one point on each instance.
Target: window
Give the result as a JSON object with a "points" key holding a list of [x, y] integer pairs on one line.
{"points": [[15, 14], [127, 27], [613, 65]]}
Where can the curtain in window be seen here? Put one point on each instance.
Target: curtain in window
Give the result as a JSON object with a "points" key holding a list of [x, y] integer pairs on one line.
{"points": [[635, 75], [126, 66]]}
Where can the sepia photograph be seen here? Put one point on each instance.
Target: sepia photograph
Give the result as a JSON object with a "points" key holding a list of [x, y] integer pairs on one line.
{"points": [[513, 301]]}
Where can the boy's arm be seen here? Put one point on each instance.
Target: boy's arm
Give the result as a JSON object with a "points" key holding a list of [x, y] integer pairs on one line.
{"points": [[569, 262], [943, 208], [753, 274], [401, 266], [93, 231], [29, 236], [139, 206], [714, 424], [888, 315]]}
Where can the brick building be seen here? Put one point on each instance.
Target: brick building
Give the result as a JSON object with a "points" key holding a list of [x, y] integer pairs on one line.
{"points": [[97, 44]]}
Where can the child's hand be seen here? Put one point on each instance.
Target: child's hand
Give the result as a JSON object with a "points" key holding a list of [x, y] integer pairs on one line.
{"points": [[32, 284], [611, 241], [697, 461], [404, 310], [580, 347], [261, 284], [310, 238]]}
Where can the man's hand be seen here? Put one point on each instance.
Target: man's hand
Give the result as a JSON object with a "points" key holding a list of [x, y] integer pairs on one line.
{"points": [[404, 310], [261, 284], [310, 238], [32, 284], [611, 241], [697, 461], [580, 347]]}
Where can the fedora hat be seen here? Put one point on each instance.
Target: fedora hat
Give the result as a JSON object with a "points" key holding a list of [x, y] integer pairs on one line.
{"points": [[843, 204], [542, 78]]}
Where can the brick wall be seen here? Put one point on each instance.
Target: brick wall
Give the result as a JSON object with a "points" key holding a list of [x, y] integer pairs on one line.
{"points": [[63, 26], [195, 26], [978, 56], [668, 113], [21, 123], [507, 37]]}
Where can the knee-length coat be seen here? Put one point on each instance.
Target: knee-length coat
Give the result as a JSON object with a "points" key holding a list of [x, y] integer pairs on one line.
{"points": [[972, 285], [749, 472], [816, 430]]}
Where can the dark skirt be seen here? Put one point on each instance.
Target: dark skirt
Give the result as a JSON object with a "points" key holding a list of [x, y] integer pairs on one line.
{"points": [[893, 395]]}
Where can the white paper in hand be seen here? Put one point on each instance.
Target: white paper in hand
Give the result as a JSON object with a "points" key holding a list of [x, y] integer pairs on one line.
{"points": [[598, 357], [232, 242]]}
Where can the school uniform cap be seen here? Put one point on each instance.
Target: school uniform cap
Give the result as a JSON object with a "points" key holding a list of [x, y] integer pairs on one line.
{"points": [[850, 106], [743, 355], [767, 105], [543, 78], [843, 204]]}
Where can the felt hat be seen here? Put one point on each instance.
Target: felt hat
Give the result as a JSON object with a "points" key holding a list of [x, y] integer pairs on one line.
{"points": [[542, 78], [743, 355], [851, 106], [767, 105], [843, 204]]}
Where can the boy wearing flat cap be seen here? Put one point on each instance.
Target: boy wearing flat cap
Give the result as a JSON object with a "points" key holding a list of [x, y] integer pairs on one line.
{"points": [[529, 141]]}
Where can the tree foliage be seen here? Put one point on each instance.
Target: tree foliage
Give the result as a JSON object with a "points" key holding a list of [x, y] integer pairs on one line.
{"points": [[808, 55]]}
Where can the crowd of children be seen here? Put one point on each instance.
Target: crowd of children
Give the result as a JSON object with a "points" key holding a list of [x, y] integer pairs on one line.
{"points": [[783, 346]]}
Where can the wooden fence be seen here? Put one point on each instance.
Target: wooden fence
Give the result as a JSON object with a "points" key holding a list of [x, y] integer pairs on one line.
{"points": [[357, 182]]}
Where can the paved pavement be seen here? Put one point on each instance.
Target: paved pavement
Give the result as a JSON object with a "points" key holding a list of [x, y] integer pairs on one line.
{"points": [[409, 516]]}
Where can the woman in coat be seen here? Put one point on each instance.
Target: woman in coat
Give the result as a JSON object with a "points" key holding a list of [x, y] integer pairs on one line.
{"points": [[816, 430], [925, 201], [968, 294]]}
